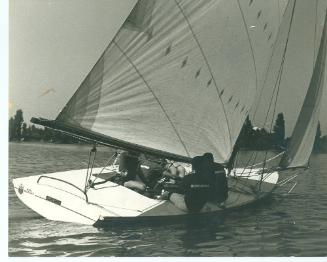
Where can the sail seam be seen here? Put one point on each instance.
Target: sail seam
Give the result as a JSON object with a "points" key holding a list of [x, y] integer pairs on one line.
{"points": [[155, 97], [209, 68], [250, 43]]}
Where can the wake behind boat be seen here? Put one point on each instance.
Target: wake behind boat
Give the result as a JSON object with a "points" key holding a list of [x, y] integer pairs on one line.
{"points": [[176, 82]]}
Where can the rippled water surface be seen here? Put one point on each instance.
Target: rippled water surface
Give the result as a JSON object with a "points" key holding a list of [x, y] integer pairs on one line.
{"points": [[284, 225]]}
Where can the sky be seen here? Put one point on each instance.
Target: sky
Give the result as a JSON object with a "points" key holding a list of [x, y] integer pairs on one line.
{"points": [[55, 43]]}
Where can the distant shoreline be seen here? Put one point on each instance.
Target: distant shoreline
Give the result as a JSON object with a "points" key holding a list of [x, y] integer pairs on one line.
{"points": [[251, 138]]}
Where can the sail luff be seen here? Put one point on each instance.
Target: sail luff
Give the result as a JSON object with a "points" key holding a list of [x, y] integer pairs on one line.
{"points": [[63, 113], [302, 139]]}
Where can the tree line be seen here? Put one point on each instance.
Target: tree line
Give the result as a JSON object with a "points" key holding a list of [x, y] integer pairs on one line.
{"points": [[250, 138], [20, 131]]}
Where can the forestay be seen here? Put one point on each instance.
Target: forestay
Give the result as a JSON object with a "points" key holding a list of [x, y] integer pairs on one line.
{"points": [[180, 76]]}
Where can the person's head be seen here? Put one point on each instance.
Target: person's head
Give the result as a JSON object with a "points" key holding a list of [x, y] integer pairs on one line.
{"points": [[173, 171], [181, 171], [128, 165], [208, 156], [208, 162]]}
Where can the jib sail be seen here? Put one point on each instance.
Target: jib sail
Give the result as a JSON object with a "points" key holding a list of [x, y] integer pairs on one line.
{"points": [[303, 136]]}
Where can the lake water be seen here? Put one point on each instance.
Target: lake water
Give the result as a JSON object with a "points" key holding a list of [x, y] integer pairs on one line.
{"points": [[283, 225]]}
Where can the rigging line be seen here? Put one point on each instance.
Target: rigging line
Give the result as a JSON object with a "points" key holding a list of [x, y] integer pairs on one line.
{"points": [[237, 178], [209, 68], [285, 180], [261, 163], [240, 176], [280, 77], [243, 171], [292, 188], [247, 163], [271, 99], [276, 99], [104, 167], [88, 177], [250, 43], [87, 172], [280, 71], [254, 159], [274, 111], [155, 97], [251, 168], [277, 85], [263, 178], [269, 63]]}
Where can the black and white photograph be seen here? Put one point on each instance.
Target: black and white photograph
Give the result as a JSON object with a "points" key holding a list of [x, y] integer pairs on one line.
{"points": [[166, 128]]}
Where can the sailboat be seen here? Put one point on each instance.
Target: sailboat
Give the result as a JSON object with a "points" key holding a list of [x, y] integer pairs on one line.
{"points": [[178, 80]]}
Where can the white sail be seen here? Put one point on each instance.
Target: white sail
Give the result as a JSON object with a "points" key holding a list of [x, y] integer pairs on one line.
{"points": [[288, 72], [180, 76], [302, 139]]}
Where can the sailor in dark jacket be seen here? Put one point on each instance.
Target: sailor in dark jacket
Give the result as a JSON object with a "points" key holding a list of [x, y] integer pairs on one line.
{"points": [[196, 185], [217, 178], [202, 185]]}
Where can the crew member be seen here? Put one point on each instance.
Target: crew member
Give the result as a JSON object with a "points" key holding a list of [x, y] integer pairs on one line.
{"points": [[130, 175], [207, 182]]}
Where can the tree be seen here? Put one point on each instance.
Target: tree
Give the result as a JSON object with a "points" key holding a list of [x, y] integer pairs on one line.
{"points": [[11, 128], [24, 131], [248, 127], [279, 130], [246, 134], [17, 125], [323, 144], [316, 145], [18, 130]]}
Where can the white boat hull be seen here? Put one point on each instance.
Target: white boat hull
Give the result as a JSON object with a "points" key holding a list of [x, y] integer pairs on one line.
{"points": [[59, 196]]}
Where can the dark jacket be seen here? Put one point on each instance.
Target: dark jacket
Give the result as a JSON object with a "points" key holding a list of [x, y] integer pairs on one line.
{"points": [[220, 183], [207, 183], [197, 191]]}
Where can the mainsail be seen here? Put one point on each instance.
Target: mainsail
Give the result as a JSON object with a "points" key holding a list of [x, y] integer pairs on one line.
{"points": [[303, 136], [179, 78]]}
